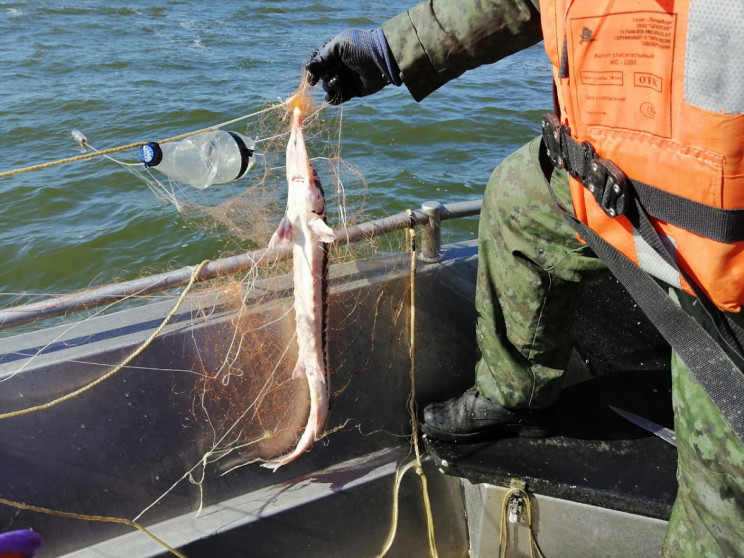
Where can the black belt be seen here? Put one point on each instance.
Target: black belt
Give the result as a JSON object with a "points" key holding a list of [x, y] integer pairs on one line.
{"points": [[612, 189]]}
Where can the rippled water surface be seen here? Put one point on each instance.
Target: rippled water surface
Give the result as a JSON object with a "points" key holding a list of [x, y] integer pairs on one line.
{"points": [[124, 72]]}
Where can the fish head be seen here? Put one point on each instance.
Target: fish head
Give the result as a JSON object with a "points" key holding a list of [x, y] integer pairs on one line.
{"points": [[299, 168], [306, 199]]}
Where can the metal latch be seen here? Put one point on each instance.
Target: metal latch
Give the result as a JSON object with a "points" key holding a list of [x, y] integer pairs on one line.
{"points": [[608, 184], [515, 506], [551, 131], [515, 509]]}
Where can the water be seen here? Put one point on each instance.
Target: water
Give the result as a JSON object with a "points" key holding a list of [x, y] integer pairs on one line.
{"points": [[124, 72]]}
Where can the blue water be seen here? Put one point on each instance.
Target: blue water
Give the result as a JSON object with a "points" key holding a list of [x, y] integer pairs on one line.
{"points": [[124, 72]]}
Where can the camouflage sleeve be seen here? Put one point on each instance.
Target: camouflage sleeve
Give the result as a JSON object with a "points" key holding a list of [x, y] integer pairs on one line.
{"points": [[437, 40]]}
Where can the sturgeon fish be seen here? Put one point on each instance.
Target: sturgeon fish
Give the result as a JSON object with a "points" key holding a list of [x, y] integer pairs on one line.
{"points": [[304, 225]]}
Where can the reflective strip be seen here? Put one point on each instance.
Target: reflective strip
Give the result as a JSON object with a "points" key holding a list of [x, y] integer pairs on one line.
{"points": [[653, 264], [714, 74]]}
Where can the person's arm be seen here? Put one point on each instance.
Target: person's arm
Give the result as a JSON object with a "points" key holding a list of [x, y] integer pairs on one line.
{"points": [[438, 40], [425, 47]]}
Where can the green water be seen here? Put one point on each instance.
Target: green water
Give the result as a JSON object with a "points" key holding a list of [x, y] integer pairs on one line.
{"points": [[125, 72]]}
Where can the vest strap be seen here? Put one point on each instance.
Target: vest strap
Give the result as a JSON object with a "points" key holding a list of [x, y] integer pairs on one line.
{"points": [[612, 189], [711, 365]]}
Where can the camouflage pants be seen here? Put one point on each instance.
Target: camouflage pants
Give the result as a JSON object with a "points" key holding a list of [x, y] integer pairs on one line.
{"points": [[530, 265], [708, 515]]}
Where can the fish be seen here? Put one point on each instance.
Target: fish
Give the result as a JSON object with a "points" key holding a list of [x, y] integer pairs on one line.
{"points": [[304, 226]]}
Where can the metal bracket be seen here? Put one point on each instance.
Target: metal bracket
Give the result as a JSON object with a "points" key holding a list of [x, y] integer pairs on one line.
{"points": [[609, 186], [607, 183], [551, 130], [431, 233], [515, 507]]}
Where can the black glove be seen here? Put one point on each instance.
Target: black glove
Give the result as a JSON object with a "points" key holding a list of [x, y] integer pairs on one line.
{"points": [[354, 63]]}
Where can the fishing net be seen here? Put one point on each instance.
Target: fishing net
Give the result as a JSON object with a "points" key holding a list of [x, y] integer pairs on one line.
{"points": [[219, 365]]}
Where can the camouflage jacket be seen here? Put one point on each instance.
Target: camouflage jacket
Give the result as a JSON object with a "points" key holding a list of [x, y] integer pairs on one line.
{"points": [[437, 40]]}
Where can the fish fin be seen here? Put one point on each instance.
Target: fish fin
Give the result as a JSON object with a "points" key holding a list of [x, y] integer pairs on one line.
{"points": [[322, 230], [282, 235], [299, 371]]}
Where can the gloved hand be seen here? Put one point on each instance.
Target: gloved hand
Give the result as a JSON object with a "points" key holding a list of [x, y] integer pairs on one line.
{"points": [[355, 63]]}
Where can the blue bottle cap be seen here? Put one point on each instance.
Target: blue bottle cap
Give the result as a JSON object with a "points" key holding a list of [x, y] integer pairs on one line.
{"points": [[150, 154]]}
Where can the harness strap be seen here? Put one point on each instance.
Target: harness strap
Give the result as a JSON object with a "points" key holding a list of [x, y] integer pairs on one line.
{"points": [[709, 363], [618, 195], [580, 160]]}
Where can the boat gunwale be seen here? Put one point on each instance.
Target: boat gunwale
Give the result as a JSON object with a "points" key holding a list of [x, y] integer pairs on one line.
{"points": [[106, 294]]}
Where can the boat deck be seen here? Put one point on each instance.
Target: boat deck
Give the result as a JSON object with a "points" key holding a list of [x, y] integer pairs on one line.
{"points": [[595, 456], [124, 445], [602, 486]]}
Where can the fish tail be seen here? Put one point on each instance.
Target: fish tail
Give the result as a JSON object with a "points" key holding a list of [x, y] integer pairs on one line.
{"points": [[315, 423]]}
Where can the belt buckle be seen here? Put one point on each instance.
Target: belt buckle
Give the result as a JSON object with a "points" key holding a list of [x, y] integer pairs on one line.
{"points": [[551, 131], [608, 184]]}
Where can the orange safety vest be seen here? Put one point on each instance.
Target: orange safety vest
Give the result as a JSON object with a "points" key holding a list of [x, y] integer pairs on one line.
{"points": [[656, 88]]}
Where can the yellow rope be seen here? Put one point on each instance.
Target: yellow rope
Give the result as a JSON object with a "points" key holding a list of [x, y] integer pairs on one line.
{"points": [[135, 354], [71, 159], [99, 518], [503, 531], [416, 463], [99, 153]]}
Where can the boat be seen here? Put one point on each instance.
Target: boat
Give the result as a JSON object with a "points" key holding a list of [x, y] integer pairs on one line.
{"points": [[128, 449]]}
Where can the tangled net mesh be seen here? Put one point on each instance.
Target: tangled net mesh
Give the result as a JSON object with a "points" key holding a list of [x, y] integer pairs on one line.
{"points": [[258, 415], [243, 404]]}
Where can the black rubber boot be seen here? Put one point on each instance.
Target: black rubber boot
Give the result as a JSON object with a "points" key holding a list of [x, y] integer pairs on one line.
{"points": [[473, 418]]}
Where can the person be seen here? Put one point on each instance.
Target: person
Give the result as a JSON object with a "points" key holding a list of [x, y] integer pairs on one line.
{"points": [[649, 98]]}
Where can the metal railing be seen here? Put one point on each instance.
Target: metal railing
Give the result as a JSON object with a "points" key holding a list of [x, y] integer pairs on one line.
{"points": [[429, 216]]}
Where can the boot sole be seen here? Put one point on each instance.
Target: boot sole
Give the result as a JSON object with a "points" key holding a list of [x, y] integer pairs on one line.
{"points": [[490, 433]]}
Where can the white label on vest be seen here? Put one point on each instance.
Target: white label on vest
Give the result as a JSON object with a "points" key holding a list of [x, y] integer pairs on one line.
{"points": [[621, 67]]}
